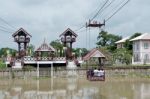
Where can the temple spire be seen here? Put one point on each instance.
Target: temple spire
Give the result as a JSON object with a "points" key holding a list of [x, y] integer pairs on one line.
{"points": [[44, 39]]}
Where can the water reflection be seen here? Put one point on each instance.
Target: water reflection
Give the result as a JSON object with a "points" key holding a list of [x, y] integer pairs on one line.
{"points": [[74, 88]]}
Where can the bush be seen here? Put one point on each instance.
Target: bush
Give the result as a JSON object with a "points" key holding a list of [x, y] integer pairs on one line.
{"points": [[2, 65]]}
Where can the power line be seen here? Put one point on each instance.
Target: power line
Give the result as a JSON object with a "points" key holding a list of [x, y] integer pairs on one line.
{"points": [[117, 11]]}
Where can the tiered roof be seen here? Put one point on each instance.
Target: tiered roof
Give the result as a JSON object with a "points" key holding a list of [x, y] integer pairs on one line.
{"points": [[45, 48]]}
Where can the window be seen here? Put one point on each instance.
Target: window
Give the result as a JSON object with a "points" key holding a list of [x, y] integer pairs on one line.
{"points": [[145, 45], [146, 57], [137, 46], [136, 58]]}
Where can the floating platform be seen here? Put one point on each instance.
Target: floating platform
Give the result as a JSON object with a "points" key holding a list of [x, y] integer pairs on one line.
{"points": [[96, 78], [91, 77]]}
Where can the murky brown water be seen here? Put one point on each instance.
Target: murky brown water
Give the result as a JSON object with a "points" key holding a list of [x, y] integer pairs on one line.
{"points": [[75, 88]]}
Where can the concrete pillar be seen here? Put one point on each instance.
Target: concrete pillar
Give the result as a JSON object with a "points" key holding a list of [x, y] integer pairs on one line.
{"points": [[37, 70], [37, 92], [51, 70]]}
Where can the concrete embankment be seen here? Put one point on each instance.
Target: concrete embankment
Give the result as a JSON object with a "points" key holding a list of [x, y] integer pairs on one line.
{"points": [[46, 72]]}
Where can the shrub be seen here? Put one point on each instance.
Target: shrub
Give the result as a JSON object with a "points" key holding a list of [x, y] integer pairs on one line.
{"points": [[2, 65]]}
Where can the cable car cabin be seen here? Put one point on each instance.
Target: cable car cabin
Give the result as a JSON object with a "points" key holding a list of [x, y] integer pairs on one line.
{"points": [[96, 75]]}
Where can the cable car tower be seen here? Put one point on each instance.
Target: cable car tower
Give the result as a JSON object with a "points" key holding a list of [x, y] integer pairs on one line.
{"points": [[92, 24]]}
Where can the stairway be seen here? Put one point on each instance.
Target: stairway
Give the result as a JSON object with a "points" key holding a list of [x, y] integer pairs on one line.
{"points": [[71, 65]]}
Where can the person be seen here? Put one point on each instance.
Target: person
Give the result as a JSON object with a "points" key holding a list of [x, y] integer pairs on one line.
{"points": [[95, 72], [102, 72], [92, 72], [99, 74]]}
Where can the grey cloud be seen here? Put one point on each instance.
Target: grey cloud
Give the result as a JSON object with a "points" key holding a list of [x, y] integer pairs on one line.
{"points": [[48, 18]]}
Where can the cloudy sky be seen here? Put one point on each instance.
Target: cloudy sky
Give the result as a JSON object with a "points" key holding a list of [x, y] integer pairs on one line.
{"points": [[49, 18]]}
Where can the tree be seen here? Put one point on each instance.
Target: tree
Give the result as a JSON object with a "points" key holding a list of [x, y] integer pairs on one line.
{"points": [[58, 46], [5, 51], [128, 43], [103, 38], [107, 40], [80, 52], [30, 50], [123, 56]]}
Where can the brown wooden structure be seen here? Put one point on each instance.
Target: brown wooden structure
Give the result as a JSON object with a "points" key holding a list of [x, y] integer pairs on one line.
{"points": [[45, 52], [22, 38], [68, 37], [95, 53]]}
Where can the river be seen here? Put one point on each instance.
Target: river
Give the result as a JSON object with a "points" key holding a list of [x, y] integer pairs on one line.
{"points": [[75, 88]]}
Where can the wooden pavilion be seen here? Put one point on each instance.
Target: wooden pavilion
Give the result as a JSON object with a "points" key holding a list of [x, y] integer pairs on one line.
{"points": [[45, 52], [96, 54]]}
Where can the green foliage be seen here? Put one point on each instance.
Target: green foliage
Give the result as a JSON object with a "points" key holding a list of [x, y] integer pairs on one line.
{"points": [[31, 49], [80, 52], [2, 65], [123, 56], [58, 46], [128, 43], [5, 51], [107, 40]]}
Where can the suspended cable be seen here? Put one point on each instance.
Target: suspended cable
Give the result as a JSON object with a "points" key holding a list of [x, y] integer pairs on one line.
{"points": [[80, 28], [7, 23], [99, 10], [5, 31], [86, 38], [117, 11], [94, 15], [89, 39], [6, 28], [112, 1], [113, 8]]}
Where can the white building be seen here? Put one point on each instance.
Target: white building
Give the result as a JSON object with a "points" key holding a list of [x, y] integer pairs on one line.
{"points": [[141, 49], [120, 43]]}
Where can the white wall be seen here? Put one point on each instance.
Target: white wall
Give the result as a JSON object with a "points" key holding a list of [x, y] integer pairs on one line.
{"points": [[142, 50]]}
